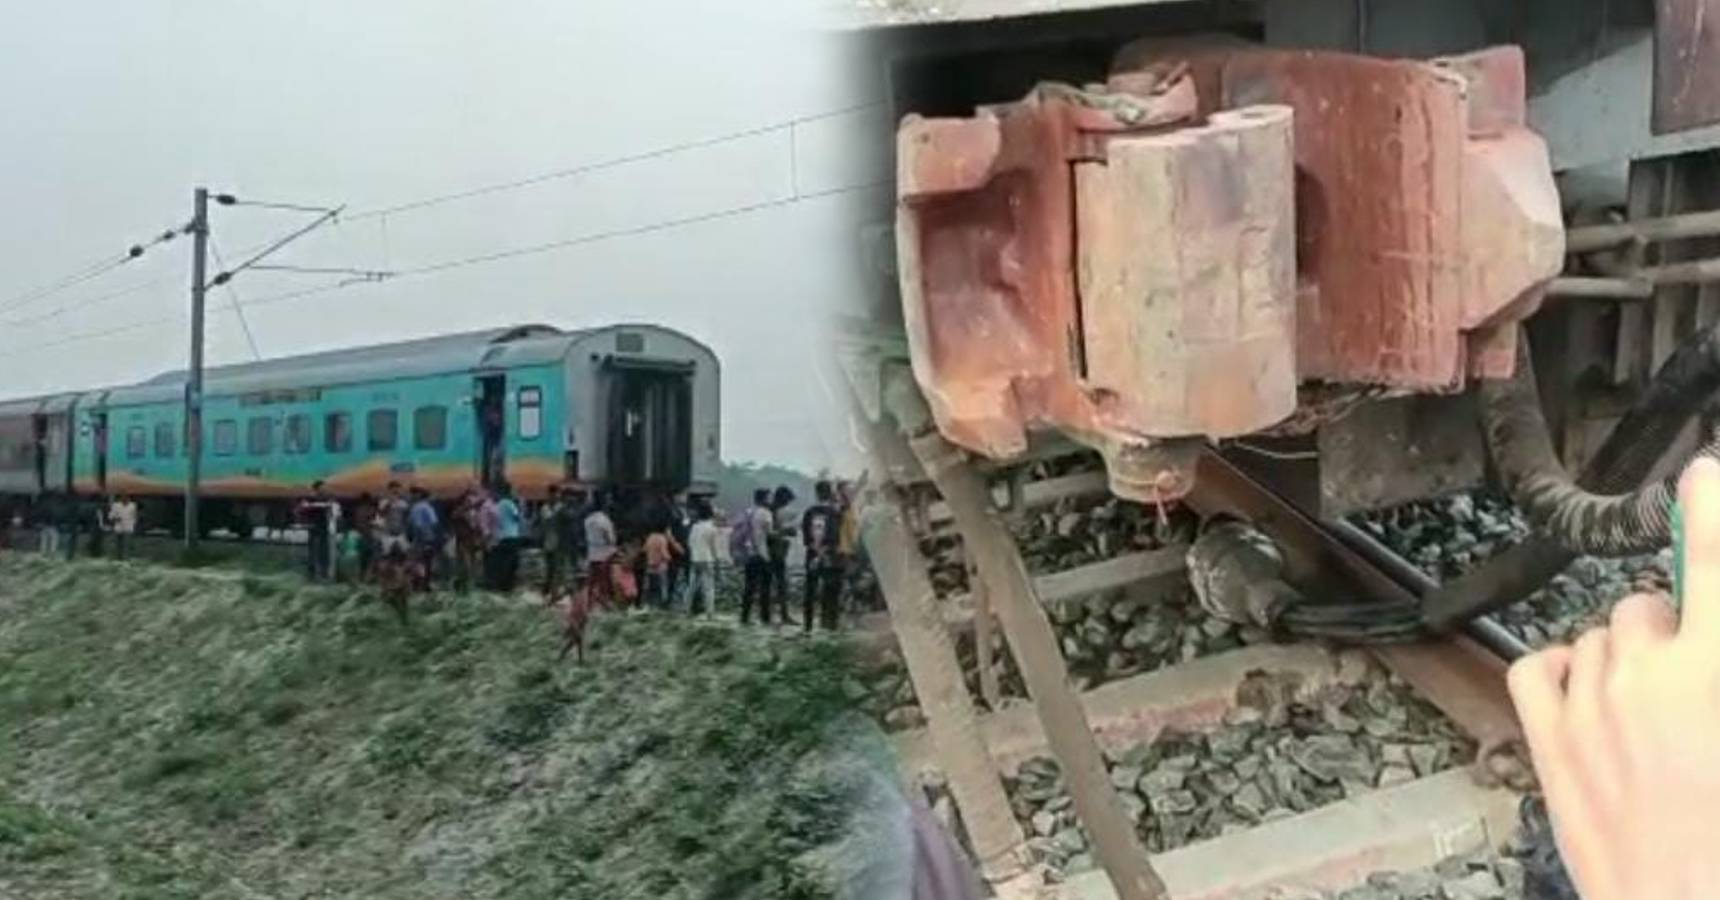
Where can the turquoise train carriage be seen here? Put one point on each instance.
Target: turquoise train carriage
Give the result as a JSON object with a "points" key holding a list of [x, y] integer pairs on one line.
{"points": [[629, 408]]}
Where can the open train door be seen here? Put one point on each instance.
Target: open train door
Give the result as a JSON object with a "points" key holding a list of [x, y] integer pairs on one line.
{"points": [[99, 448], [489, 393], [650, 422]]}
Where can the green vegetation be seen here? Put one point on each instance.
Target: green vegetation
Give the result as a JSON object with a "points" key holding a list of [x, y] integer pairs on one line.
{"points": [[737, 481], [179, 734]]}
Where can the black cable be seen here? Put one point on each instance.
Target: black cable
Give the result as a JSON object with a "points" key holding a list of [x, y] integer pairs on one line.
{"points": [[631, 232], [62, 309], [612, 162], [238, 308], [490, 257], [94, 271], [321, 220]]}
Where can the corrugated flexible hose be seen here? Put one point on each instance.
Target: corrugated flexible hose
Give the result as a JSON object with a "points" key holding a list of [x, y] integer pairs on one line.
{"points": [[1613, 521], [1599, 524]]}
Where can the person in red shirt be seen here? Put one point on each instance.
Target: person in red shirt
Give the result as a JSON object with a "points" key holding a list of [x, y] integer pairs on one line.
{"points": [[661, 548]]}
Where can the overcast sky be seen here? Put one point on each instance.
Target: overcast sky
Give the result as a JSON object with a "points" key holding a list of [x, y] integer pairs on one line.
{"points": [[115, 111]]}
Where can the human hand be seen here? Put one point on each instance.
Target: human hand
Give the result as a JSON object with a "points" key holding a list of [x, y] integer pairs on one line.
{"points": [[1624, 729]]}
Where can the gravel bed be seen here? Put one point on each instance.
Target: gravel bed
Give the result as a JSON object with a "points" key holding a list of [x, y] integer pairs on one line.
{"points": [[1275, 756], [1104, 637], [1482, 875], [1448, 536], [1073, 532], [1527, 868]]}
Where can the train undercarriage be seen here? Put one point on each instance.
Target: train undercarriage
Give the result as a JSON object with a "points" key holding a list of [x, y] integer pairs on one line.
{"points": [[1267, 268]]}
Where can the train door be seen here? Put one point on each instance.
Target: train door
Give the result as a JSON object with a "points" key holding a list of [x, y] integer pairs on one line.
{"points": [[39, 425], [99, 445], [650, 427], [491, 392]]}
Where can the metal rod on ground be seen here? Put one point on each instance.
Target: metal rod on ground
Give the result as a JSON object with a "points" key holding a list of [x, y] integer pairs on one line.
{"points": [[1034, 644], [194, 378], [936, 674]]}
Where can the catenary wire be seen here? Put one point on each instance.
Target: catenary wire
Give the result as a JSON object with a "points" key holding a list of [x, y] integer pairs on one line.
{"points": [[464, 262]]}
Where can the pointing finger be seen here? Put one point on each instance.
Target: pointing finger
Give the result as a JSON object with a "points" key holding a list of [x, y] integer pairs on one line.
{"points": [[1537, 685], [1641, 620]]}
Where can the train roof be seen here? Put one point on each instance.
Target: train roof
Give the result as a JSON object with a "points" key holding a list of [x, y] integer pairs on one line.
{"points": [[22, 406], [467, 351]]}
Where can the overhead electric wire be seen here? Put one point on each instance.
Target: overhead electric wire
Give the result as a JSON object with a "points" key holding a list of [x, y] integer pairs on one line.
{"points": [[325, 270], [228, 274], [627, 159], [533, 249], [238, 308], [383, 212], [294, 207], [449, 265], [58, 311], [94, 271], [362, 276]]}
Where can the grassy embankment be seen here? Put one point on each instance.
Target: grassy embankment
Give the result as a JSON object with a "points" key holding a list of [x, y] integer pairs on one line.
{"points": [[177, 734]]}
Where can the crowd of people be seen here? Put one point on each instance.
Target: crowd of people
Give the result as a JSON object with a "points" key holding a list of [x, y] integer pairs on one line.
{"points": [[66, 524], [666, 553]]}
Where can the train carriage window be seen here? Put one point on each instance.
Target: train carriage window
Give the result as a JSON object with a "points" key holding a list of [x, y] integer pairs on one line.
{"points": [[136, 442], [430, 427], [382, 429], [297, 436], [164, 440], [531, 413], [226, 437], [260, 436], [337, 433]]}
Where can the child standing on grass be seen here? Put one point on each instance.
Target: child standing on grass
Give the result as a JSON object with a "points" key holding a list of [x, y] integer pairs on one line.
{"points": [[660, 550], [349, 569]]}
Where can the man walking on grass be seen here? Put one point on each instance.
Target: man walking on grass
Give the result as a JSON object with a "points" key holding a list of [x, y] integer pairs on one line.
{"points": [[424, 528], [820, 533], [751, 548], [122, 515], [782, 533], [702, 549], [660, 551], [600, 545]]}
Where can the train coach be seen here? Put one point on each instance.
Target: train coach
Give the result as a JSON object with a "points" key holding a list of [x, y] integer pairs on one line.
{"points": [[628, 408]]}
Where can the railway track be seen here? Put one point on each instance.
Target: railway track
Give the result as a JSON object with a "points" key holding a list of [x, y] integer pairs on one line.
{"points": [[1240, 766]]}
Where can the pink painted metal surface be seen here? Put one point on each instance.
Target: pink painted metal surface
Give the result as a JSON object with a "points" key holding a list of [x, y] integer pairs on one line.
{"points": [[1029, 301], [1428, 221], [1162, 261], [1186, 261], [1378, 205]]}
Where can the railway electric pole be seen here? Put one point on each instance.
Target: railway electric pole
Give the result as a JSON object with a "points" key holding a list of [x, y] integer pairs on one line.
{"points": [[194, 378], [200, 284]]}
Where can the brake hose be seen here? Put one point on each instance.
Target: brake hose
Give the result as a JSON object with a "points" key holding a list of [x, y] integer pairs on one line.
{"points": [[1585, 522]]}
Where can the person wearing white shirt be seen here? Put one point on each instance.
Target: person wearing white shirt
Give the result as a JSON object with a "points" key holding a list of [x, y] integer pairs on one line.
{"points": [[703, 547], [122, 518]]}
